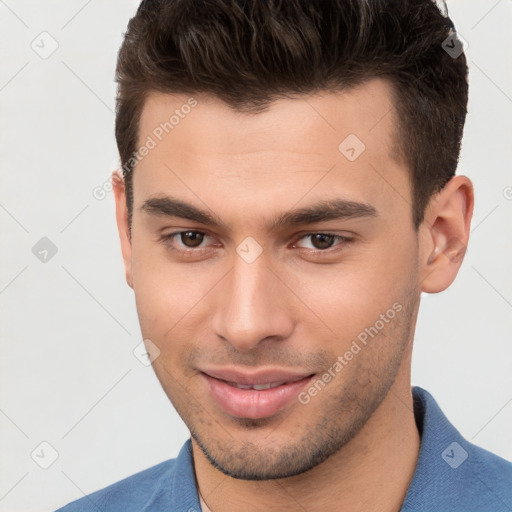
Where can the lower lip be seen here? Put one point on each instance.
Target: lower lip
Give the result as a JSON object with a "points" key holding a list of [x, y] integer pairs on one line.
{"points": [[252, 403]]}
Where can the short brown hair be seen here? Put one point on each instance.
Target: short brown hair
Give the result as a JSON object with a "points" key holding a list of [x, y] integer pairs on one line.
{"points": [[249, 53]]}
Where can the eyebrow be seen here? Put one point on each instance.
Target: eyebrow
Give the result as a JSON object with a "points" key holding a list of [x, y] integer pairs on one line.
{"points": [[332, 209]]}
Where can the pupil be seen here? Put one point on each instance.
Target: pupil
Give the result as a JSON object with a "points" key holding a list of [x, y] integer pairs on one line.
{"points": [[321, 241], [193, 236]]}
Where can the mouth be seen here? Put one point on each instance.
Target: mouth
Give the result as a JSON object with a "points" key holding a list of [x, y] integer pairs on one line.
{"points": [[259, 387], [254, 396]]}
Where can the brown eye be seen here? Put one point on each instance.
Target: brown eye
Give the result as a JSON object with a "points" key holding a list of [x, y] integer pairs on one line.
{"points": [[191, 238], [322, 241]]}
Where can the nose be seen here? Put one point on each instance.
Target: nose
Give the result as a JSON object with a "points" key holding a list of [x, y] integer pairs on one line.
{"points": [[252, 305]]}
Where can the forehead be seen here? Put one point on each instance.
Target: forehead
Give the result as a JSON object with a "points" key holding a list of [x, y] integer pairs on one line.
{"points": [[324, 143], [367, 109]]}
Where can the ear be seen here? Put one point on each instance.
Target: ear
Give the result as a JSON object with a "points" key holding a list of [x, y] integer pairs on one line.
{"points": [[123, 225], [444, 234]]}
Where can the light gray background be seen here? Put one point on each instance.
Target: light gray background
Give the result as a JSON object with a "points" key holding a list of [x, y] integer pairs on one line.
{"points": [[69, 326]]}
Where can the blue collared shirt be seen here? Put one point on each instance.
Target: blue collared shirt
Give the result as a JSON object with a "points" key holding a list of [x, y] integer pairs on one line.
{"points": [[452, 475]]}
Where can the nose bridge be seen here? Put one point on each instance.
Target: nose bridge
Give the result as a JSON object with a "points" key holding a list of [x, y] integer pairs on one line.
{"points": [[251, 307]]}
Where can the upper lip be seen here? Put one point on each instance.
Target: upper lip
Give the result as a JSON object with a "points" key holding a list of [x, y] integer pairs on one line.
{"points": [[257, 377]]}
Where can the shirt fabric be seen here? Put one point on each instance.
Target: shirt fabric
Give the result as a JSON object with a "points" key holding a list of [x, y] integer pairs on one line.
{"points": [[451, 475]]}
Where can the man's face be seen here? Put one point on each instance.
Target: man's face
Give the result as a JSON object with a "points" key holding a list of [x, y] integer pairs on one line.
{"points": [[261, 296]]}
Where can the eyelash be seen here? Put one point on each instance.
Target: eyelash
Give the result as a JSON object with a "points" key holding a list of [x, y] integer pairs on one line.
{"points": [[343, 240]]}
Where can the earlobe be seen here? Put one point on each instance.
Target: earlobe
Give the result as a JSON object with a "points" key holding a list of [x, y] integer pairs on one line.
{"points": [[445, 234], [123, 225]]}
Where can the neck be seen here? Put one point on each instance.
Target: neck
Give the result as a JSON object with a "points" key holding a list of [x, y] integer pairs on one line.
{"points": [[371, 472]]}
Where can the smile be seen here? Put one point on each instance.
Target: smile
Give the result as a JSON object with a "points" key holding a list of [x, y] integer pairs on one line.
{"points": [[253, 396]]}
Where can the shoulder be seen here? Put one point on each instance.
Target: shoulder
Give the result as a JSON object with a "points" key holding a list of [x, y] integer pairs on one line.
{"points": [[453, 474], [472, 479], [492, 476], [129, 494]]}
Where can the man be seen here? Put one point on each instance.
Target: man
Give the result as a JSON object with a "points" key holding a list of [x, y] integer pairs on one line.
{"points": [[288, 192]]}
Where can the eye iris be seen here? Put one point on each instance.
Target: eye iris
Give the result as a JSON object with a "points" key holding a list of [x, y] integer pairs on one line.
{"points": [[193, 237], [322, 241]]}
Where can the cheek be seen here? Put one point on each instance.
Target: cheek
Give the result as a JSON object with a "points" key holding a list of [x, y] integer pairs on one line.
{"points": [[169, 296], [349, 298]]}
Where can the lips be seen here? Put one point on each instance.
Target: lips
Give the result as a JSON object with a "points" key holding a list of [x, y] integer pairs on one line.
{"points": [[257, 387], [254, 395], [258, 377]]}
